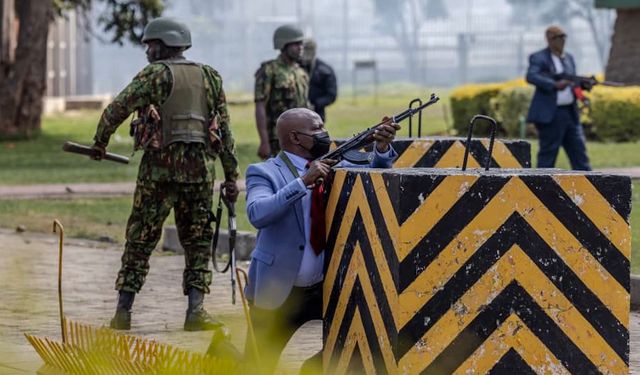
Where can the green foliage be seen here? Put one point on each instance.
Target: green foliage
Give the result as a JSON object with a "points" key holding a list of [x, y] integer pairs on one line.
{"points": [[463, 108], [615, 113], [510, 107], [475, 99], [124, 19]]}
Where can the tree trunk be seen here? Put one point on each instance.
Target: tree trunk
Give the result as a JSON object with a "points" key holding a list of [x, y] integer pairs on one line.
{"points": [[624, 58], [23, 81]]}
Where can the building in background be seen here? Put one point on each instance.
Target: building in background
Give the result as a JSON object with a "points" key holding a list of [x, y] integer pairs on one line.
{"points": [[69, 54], [69, 57]]}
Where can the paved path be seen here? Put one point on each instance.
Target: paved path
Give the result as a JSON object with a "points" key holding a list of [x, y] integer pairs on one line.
{"points": [[126, 188], [28, 302], [76, 190]]}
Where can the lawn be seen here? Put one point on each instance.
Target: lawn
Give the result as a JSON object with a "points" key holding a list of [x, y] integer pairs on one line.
{"points": [[42, 161]]}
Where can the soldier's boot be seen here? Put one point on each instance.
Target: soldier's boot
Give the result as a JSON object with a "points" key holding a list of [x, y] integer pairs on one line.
{"points": [[198, 319], [122, 319]]}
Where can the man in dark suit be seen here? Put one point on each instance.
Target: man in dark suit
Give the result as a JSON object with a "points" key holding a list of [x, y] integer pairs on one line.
{"points": [[323, 88], [553, 109]]}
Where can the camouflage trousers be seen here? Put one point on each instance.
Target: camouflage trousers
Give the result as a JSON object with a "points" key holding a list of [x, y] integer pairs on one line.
{"points": [[152, 202], [275, 147]]}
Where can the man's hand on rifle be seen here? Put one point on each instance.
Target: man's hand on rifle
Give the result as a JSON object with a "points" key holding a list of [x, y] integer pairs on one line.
{"points": [[385, 134], [99, 151], [562, 84], [230, 190], [318, 170]]}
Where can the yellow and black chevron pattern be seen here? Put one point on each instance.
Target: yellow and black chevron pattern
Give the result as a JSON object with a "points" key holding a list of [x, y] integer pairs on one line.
{"points": [[438, 271], [448, 152]]}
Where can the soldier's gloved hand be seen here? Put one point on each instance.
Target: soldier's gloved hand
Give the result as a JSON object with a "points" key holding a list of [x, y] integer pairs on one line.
{"points": [[99, 150], [230, 190], [385, 134], [264, 150]]}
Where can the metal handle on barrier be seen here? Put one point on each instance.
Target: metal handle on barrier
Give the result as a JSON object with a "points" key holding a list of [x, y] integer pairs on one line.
{"points": [[492, 137], [419, 101]]}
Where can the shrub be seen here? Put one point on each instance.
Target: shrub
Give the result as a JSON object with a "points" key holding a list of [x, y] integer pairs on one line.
{"points": [[475, 99], [615, 113], [510, 107]]}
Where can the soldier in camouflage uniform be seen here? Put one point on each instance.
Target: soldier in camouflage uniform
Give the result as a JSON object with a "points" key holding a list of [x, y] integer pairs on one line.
{"points": [[281, 84], [185, 125]]}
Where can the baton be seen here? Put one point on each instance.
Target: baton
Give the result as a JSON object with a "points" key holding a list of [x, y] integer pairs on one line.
{"points": [[85, 150]]}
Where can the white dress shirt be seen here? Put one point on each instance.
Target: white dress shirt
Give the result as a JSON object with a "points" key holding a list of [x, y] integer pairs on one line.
{"points": [[565, 96], [310, 271]]}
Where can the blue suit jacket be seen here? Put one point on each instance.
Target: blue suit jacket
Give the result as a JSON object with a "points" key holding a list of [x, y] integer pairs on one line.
{"points": [[541, 69], [274, 207]]}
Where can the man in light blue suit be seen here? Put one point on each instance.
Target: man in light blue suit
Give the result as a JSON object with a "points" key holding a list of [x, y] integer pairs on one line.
{"points": [[553, 109], [286, 271]]}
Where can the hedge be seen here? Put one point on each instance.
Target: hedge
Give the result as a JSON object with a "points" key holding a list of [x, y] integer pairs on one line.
{"points": [[614, 114], [475, 99]]}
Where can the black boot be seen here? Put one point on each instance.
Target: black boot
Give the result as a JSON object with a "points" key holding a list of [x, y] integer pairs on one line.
{"points": [[197, 317], [122, 319]]}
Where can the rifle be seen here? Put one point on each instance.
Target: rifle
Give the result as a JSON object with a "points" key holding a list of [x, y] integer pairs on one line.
{"points": [[231, 263], [85, 150], [349, 150], [584, 82]]}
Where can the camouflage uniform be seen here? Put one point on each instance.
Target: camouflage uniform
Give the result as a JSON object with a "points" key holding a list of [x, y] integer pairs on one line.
{"points": [[178, 176], [281, 86]]}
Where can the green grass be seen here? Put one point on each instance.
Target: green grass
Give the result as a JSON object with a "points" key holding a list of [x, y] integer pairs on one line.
{"points": [[42, 160], [97, 218]]}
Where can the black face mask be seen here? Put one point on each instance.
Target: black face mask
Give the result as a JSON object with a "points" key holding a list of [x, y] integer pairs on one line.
{"points": [[321, 144]]}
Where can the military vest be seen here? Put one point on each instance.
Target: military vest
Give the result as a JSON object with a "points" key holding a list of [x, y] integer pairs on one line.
{"points": [[184, 114]]}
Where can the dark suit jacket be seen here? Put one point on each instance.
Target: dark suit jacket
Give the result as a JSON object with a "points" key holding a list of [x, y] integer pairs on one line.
{"points": [[323, 87], [540, 74]]}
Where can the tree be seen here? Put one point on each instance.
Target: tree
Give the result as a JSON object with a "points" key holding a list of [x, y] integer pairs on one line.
{"points": [[624, 57], [23, 77]]}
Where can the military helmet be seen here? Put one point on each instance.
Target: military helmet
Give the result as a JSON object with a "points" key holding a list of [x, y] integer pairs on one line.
{"points": [[171, 32], [286, 34]]}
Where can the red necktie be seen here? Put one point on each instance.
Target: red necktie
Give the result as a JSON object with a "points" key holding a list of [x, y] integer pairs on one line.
{"points": [[318, 231]]}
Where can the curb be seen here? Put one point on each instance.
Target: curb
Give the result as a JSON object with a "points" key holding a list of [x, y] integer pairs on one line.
{"points": [[245, 242], [635, 292]]}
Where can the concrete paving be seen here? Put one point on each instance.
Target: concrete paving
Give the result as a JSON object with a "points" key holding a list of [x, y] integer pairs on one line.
{"points": [[76, 190], [29, 302]]}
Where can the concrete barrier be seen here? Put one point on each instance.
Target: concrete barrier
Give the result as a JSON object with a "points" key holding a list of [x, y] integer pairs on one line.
{"points": [[447, 152], [245, 242], [506, 271]]}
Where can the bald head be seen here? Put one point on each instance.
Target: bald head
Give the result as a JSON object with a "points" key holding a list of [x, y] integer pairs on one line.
{"points": [[296, 122], [556, 38]]}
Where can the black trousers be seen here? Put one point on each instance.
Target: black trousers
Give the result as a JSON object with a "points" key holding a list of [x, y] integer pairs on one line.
{"points": [[564, 130], [274, 328]]}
